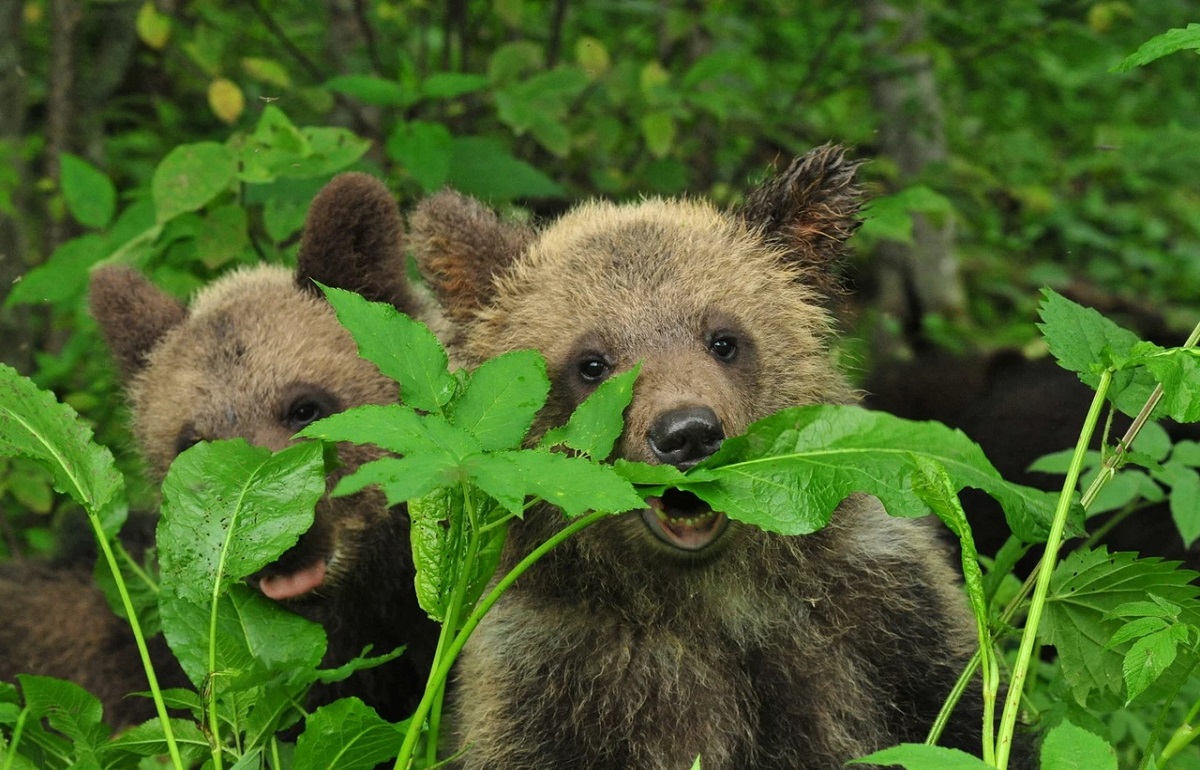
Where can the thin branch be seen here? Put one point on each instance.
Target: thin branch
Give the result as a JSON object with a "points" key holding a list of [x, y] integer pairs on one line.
{"points": [[554, 46], [368, 33]]}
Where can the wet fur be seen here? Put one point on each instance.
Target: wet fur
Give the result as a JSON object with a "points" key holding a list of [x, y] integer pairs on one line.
{"points": [[764, 651]]}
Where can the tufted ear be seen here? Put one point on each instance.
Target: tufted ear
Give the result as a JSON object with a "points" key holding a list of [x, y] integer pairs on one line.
{"points": [[133, 314], [461, 246], [354, 239], [811, 209]]}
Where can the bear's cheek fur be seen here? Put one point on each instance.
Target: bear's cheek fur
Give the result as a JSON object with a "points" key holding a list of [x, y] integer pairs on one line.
{"points": [[220, 377]]}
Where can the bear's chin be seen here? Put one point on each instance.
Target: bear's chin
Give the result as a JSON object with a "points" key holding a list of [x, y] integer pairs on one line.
{"points": [[684, 522]]}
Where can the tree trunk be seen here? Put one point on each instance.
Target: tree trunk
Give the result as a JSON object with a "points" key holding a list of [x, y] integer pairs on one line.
{"points": [[15, 348], [924, 277]]}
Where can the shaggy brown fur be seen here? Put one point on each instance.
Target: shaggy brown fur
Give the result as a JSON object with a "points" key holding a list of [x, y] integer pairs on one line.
{"points": [[629, 646], [259, 354]]}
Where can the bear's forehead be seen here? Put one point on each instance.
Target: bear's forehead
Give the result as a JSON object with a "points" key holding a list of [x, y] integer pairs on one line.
{"points": [[253, 350]]}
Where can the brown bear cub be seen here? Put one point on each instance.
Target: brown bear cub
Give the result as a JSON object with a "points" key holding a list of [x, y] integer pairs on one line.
{"points": [[260, 354], [665, 634]]}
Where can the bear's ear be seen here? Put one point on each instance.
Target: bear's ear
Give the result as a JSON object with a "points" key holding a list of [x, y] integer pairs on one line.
{"points": [[810, 209], [354, 239], [460, 246], [133, 314]]}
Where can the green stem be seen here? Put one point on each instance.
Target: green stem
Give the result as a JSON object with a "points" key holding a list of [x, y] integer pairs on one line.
{"points": [[438, 678], [1012, 701], [139, 638], [1183, 735], [449, 627], [16, 739]]}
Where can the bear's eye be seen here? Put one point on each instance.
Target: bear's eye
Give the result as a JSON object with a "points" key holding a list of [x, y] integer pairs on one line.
{"points": [[303, 412], [724, 347], [593, 369], [305, 404]]}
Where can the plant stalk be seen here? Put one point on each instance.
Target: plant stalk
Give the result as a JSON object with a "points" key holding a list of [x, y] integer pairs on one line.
{"points": [[1012, 701], [139, 638], [438, 679]]}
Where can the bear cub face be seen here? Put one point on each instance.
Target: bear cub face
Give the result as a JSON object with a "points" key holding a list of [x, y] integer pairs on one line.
{"points": [[260, 354], [723, 311]]}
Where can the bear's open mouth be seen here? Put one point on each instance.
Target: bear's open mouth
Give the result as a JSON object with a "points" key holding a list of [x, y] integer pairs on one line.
{"points": [[684, 521], [293, 584]]}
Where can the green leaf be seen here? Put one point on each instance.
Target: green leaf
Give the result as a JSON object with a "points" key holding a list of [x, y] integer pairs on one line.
{"points": [[190, 176], [1149, 657], [889, 217], [224, 235], [448, 85], [70, 709], [1086, 343], [345, 735], [148, 740], [789, 471], [62, 279], [403, 478], [90, 195], [1087, 586], [932, 484], [439, 548], [397, 429], [502, 398], [482, 167], [1161, 45], [1184, 499], [658, 129], [230, 508], [402, 348], [255, 639], [35, 426], [574, 484], [1178, 371], [373, 90], [1067, 747], [423, 149], [919, 756], [597, 423]]}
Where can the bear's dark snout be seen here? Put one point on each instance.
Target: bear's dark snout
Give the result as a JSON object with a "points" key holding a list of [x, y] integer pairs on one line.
{"points": [[684, 437]]}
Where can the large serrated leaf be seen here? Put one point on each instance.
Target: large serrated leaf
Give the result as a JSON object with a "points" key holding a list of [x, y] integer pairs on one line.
{"points": [[402, 348], [1067, 747], [345, 735], [1085, 342], [34, 425], [502, 398], [1178, 371], [230, 508], [1088, 585], [789, 471], [574, 484], [596, 424], [69, 709]]}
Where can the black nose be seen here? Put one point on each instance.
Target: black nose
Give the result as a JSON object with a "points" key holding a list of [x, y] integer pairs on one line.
{"points": [[684, 437]]}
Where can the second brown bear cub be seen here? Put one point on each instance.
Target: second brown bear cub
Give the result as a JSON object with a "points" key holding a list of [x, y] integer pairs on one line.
{"points": [[660, 635], [260, 354]]}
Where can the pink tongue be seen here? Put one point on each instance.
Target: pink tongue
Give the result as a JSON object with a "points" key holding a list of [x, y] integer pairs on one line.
{"points": [[295, 584]]}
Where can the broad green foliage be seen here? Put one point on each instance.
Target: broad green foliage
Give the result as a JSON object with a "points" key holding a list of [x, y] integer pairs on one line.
{"points": [[1160, 46], [1067, 747], [768, 476], [34, 426], [1090, 592]]}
